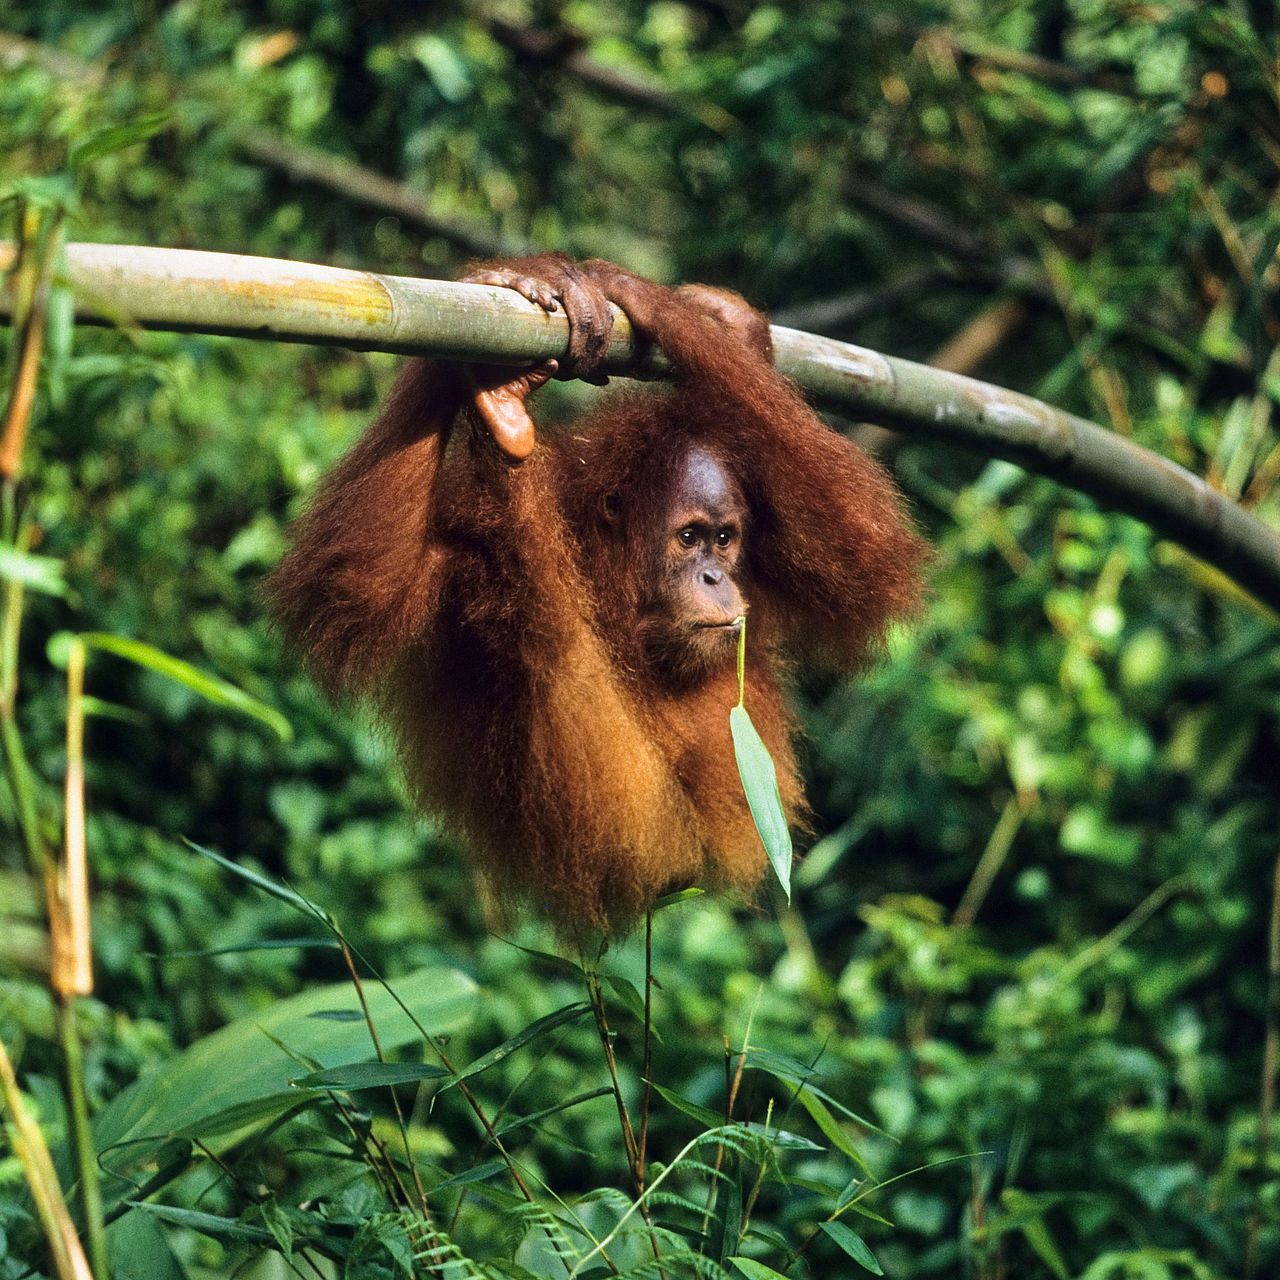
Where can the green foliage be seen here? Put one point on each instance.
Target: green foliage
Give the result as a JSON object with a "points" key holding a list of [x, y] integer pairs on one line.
{"points": [[1015, 1022], [760, 778]]}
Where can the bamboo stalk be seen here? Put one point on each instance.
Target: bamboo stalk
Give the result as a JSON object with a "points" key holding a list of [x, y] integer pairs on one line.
{"points": [[195, 291], [69, 1262]]}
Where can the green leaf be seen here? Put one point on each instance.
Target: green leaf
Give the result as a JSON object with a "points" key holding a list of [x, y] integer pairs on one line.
{"points": [[522, 1038], [830, 1127], [680, 895], [140, 1250], [212, 688], [760, 783], [245, 1115], [863, 1212], [250, 1063], [703, 1115], [259, 881], [854, 1245], [38, 573], [1027, 1213], [727, 1224], [481, 1173], [369, 1075], [263, 944], [537, 1116], [792, 1071], [105, 710], [208, 1224], [780, 1138], [551, 960], [110, 138], [441, 62], [631, 999], [754, 1270]]}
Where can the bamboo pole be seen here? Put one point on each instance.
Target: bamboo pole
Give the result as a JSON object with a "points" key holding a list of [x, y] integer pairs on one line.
{"points": [[195, 291]]}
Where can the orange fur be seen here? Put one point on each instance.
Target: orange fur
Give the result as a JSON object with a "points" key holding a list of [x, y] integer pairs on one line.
{"points": [[494, 615]]}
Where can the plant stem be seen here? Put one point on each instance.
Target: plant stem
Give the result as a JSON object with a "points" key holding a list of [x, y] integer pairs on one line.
{"points": [[647, 1094], [730, 1100], [28, 1144], [423, 1206], [596, 996], [993, 858], [82, 1137], [438, 1049]]}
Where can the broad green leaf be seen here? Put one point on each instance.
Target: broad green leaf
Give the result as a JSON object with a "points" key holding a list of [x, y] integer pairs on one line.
{"points": [[369, 1075], [140, 1250], [245, 1115], [221, 693], [441, 62], [522, 1038], [38, 573], [754, 1270], [854, 1245], [760, 783], [250, 1063]]}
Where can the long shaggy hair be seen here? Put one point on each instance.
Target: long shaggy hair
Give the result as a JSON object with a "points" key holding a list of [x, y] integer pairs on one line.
{"points": [[494, 615]]}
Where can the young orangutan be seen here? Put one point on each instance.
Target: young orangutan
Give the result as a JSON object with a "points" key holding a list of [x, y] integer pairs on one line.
{"points": [[549, 624]]}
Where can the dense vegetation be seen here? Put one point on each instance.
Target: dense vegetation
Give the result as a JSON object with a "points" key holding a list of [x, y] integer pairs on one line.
{"points": [[1029, 951]]}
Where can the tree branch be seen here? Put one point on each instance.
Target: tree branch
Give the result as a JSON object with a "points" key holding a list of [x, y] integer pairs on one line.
{"points": [[362, 185], [265, 298]]}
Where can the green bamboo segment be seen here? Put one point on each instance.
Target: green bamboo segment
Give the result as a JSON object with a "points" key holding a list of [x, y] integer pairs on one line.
{"points": [[196, 291]]}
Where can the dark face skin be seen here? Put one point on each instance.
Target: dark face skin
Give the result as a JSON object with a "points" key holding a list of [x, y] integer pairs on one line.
{"points": [[698, 598]]}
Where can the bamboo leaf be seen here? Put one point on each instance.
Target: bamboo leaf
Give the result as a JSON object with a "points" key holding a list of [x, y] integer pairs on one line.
{"points": [[631, 1000], [754, 1270], [369, 1075], [262, 944], [702, 1115], [854, 1245], [760, 783], [207, 1224], [522, 1038], [259, 881], [242, 1071], [480, 1173], [830, 1127], [536, 1116], [212, 688], [679, 896]]}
